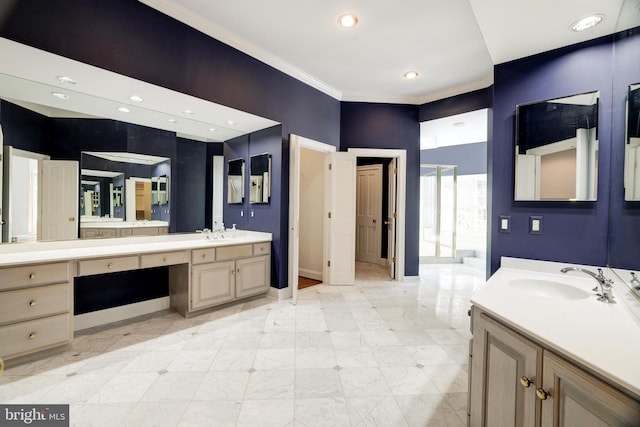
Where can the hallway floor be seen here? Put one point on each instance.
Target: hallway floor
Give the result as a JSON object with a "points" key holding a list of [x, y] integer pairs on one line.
{"points": [[378, 353]]}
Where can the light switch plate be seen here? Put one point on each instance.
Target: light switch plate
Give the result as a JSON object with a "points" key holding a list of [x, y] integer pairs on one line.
{"points": [[535, 224], [504, 225]]}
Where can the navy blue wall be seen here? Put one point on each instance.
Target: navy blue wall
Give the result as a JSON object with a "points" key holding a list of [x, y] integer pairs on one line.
{"points": [[471, 159], [463, 103], [189, 188], [392, 126], [572, 232], [624, 219], [25, 129]]}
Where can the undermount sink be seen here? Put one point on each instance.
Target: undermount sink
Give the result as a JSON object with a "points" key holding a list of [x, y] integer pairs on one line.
{"points": [[548, 289]]}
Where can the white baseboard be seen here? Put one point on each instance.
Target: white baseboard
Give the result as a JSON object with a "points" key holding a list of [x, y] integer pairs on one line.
{"points": [[110, 315], [280, 294], [311, 274]]}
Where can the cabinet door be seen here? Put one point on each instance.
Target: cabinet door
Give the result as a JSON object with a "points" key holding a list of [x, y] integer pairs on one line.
{"points": [[500, 360], [253, 276], [212, 284], [576, 398]]}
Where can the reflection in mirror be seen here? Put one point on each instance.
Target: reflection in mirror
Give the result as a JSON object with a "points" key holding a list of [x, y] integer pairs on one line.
{"points": [[124, 187], [260, 178], [557, 149], [235, 182], [632, 146]]}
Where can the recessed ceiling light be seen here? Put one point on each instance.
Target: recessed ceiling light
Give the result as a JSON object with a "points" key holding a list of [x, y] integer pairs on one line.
{"points": [[231, 122], [411, 75], [136, 98], [459, 124], [188, 112], [172, 120], [348, 20], [586, 23], [60, 95], [123, 109], [212, 129], [66, 79]]}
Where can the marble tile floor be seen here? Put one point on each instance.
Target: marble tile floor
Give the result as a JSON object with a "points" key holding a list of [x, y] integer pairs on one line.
{"points": [[379, 353]]}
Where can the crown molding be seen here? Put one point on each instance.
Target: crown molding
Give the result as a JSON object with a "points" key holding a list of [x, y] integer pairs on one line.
{"points": [[221, 34]]}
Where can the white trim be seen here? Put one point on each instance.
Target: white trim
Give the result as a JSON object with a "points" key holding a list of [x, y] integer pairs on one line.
{"points": [[110, 315], [280, 294], [311, 274], [401, 156]]}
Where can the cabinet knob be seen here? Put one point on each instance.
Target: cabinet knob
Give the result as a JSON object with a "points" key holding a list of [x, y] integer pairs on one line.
{"points": [[542, 394], [71, 218], [110, 265], [32, 303], [164, 259], [526, 382], [32, 276], [32, 336]]}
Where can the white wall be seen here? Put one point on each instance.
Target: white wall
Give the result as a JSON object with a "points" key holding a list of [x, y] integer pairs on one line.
{"points": [[311, 213]]}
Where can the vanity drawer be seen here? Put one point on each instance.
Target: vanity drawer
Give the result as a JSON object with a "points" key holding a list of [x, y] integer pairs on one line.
{"points": [[144, 231], [125, 232], [33, 335], [262, 248], [202, 256], [166, 258], [34, 302], [233, 252], [107, 265], [34, 275]]}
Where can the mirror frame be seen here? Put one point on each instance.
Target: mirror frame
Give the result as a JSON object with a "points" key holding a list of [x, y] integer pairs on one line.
{"points": [[632, 144], [586, 161]]}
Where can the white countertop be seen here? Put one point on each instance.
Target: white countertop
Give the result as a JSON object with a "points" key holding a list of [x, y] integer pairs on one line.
{"points": [[12, 254], [604, 338], [122, 224]]}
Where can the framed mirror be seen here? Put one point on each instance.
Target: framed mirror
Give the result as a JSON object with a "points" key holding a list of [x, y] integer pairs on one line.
{"points": [[101, 194], [557, 149], [260, 178], [632, 146], [235, 182]]}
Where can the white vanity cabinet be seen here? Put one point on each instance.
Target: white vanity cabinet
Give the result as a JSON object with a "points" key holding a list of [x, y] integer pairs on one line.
{"points": [[35, 308], [517, 382], [226, 273]]}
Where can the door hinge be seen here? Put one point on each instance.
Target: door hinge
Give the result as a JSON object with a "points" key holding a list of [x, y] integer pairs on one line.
{"points": [[395, 171], [0, 157], [330, 166], [395, 215], [329, 215], [394, 259], [328, 263]]}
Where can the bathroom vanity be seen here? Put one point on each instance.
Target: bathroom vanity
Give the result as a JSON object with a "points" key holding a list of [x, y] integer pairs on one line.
{"points": [[36, 279], [546, 352], [107, 229]]}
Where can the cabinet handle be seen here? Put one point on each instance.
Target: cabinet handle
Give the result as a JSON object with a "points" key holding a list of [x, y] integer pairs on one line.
{"points": [[164, 259], [32, 276], [110, 265], [32, 303], [526, 382], [238, 270], [32, 336], [542, 394]]}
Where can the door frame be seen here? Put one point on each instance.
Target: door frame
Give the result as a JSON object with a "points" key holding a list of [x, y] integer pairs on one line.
{"points": [[401, 194], [378, 169], [296, 143]]}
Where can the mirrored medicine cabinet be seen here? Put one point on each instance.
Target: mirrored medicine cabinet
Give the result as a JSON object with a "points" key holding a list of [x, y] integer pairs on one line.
{"points": [[556, 156], [235, 181], [260, 178], [632, 145]]}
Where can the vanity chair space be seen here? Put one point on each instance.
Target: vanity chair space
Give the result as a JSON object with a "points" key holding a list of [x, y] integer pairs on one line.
{"points": [[548, 351], [37, 280]]}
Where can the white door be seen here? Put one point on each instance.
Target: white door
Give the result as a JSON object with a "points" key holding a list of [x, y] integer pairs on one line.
{"points": [[391, 217], [368, 213], [340, 205], [58, 195]]}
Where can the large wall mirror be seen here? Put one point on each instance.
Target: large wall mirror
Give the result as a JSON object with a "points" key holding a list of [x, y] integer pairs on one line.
{"points": [[260, 178], [235, 181], [557, 149], [632, 146]]}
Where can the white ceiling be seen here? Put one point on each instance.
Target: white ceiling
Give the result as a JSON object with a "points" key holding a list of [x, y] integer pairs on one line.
{"points": [[453, 44]]}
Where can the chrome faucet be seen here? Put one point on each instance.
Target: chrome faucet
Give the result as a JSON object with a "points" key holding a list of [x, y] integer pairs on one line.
{"points": [[605, 294], [635, 283]]}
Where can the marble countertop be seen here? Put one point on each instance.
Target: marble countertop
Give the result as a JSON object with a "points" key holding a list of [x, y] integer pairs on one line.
{"points": [[12, 254], [604, 338], [122, 224]]}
